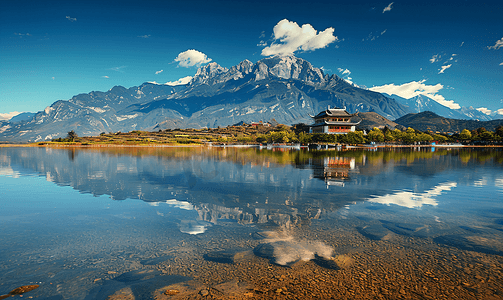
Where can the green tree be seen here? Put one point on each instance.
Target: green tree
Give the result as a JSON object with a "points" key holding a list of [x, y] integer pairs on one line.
{"points": [[72, 135], [499, 131], [487, 136], [465, 135], [389, 137], [375, 135], [440, 138], [409, 137], [304, 138], [424, 137]]}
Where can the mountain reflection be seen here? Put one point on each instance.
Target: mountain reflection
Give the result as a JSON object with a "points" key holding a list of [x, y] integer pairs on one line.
{"points": [[250, 186]]}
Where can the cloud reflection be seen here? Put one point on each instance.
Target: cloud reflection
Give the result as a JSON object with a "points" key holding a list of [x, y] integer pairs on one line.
{"points": [[414, 200]]}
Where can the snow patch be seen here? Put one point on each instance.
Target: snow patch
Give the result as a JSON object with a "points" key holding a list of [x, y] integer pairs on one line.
{"points": [[273, 107], [217, 110], [48, 109], [3, 129], [125, 117], [98, 109]]}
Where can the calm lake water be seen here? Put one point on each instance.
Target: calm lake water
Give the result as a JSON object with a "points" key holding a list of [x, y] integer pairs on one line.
{"points": [[245, 223]]}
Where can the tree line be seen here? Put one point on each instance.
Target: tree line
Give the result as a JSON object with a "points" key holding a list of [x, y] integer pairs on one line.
{"points": [[298, 134]]}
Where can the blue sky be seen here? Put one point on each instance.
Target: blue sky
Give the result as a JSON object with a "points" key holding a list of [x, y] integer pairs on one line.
{"points": [[53, 50]]}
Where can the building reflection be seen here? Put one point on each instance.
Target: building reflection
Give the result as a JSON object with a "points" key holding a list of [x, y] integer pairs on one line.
{"points": [[333, 170]]}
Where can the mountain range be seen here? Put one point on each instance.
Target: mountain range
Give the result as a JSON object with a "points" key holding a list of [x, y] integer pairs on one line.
{"points": [[285, 88]]}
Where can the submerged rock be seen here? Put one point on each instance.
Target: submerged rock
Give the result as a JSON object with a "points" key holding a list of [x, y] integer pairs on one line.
{"points": [[228, 256], [407, 229], [287, 253], [472, 243], [373, 231], [326, 263], [20, 290], [155, 260]]}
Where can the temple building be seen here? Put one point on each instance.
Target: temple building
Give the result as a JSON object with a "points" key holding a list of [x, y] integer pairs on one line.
{"points": [[333, 121]]}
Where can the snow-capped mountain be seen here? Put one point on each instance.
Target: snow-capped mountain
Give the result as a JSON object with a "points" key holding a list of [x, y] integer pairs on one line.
{"points": [[285, 88]]}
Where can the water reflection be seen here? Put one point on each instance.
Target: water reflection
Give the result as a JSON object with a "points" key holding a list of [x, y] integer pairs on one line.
{"points": [[414, 200], [217, 214], [250, 185]]}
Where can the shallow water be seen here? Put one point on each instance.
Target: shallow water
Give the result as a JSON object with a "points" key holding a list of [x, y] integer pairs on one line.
{"points": [[250, 223]]}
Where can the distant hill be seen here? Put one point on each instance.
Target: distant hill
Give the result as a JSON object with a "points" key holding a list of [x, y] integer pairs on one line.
{"points": [[430, 121], [369, 120], [421, 103]]}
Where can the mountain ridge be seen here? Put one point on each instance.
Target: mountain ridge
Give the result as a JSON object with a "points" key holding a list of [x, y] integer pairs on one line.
{"points": [[285, 88]]}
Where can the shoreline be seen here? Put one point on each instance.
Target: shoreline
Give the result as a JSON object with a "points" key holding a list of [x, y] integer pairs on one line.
{"points": [[329, 146]]}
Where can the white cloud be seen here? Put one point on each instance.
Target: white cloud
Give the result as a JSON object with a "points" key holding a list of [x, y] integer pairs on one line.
{"points": [[105, 76], [501, 64], [191, 58], [374, 36], [146, 36], [118, 69], [484, 110], [462, 43], [499, 111], [388, 8], [435, 58], [22, 34], [8, 116], [443, 68], [344, 71], [498, 45], [294, 38], [180, 81], [158, 72], [71, 19], [414, 88], [345, 74]]}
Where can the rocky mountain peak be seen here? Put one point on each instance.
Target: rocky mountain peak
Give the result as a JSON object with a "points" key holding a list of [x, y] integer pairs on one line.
{"points": [[288, 67], [209, 74]]}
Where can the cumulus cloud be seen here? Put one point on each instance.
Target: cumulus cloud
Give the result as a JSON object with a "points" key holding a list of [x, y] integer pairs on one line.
{"points": [[180, 81], [388, 8], [414, 88], [501, 64], [191, 58], [9, 115], [484, 110], [105, 76], [146, 36], [158, 72], [443, 68], [499, 44], [499, 111], [290, 37], [71, 19]]}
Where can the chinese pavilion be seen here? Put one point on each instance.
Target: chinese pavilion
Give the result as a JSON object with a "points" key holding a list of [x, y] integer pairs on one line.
{"points": [[333, 121]]}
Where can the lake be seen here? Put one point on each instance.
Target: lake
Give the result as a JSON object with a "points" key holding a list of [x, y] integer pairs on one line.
{"points": [[249, 223]]}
